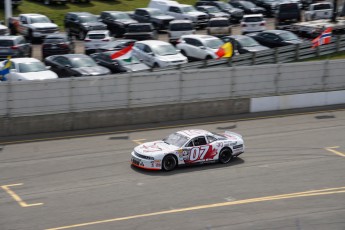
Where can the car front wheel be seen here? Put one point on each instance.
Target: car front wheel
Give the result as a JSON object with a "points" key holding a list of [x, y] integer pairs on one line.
{"points": [[169, 163]]}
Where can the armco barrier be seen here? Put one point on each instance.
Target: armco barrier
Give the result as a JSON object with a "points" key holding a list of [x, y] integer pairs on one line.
{"points": [[79, 103]]}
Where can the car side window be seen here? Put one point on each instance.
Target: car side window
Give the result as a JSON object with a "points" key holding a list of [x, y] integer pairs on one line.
{"points": [[147, 49], [199, 141], [174, 9], [210, 139], [62, 61]]}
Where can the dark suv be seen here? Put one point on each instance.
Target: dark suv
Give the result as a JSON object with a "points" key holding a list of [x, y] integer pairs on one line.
{"points": [[14, 46], [79, 23], [116, 21], [141, 31], [57, 44], [235, 14]]}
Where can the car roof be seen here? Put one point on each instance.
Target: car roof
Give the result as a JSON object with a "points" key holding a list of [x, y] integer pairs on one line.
{"points": [[80, 13], [191, 133], [177, 21], [238, 36], [72, 55], [10, 37], [33, 15], [153, 42], [149, 9], [98, 32], [24, 60], [252, 15], [276, 31], [57, 35], [198, 36]]}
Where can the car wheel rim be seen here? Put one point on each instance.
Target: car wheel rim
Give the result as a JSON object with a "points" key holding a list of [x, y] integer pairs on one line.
{"points": [[225, 157], [169, 163]]}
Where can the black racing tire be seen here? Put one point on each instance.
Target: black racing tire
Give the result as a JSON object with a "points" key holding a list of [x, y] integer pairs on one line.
{"points": [[169, 163], [225, 156]]}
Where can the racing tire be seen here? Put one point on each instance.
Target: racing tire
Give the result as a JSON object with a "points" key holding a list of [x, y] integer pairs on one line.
{"points": [[155, 66], [225, 156], [169, 163]]}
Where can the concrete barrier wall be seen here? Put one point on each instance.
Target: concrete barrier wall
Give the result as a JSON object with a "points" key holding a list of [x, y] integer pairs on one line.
{"points": [[78, 103]]}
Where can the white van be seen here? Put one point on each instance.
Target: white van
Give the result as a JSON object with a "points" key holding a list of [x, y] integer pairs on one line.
{"points": [[177, 28], [181, 11]]}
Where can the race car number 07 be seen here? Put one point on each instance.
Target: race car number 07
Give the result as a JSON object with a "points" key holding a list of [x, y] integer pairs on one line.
{"points": [[198, 153]]}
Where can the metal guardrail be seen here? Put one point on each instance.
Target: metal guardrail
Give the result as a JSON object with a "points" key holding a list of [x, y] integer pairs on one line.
{"points": [[285, 54]]}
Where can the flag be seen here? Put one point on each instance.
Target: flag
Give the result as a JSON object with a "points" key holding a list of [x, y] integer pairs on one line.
{"points": [[5, 69], [323, 38], [122, 52], [226, 50]]}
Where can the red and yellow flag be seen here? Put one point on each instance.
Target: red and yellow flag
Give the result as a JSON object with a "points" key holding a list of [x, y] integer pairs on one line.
{"points": [[225, 51]]}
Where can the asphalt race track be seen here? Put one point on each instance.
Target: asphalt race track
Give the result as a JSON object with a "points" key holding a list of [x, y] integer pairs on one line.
{"points": [[290, 177]]}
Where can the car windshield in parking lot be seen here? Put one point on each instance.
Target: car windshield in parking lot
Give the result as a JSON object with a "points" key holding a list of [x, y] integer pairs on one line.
{"points": [[139, 28], [181, 27], [224, 5], [53, 40], [31, 67], [90, 18], [176, 139], [96, 36], [39, 20], [253, 19], [248, 42], [188, 9], [83, 62], [219, 23], [248, 4], [287, 36], [213, 43], [156, 13], [121, 16], [163, 50]]}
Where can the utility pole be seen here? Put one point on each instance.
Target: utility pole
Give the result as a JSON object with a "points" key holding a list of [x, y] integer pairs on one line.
{"points": [[335, 11], [8, 10]]}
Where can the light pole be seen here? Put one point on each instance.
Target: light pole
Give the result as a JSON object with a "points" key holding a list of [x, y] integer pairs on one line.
{"points": [[335, 9], [8, 10]]}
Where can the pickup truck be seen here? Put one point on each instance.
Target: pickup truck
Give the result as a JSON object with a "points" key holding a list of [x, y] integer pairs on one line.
{"points": [[151, 15], [322, 10], [32, 26], [4, 30]]}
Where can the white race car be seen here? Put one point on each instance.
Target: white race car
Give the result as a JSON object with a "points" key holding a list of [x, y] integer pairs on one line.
{"points": [[188, 147]]}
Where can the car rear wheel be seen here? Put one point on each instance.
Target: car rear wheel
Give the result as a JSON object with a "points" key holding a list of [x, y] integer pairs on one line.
{"points": [[225, 156], [169, 163]]}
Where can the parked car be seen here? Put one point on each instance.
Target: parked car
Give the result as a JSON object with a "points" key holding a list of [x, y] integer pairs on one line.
{"points": [[213, 12], [79, 23], [96, 38], [156, 53], [14, 46], [286, 14], [247, 7], [116, 45], [235, 13], [141, 31], [275, 38], [269, 5], [177, 28], [119, 65], [75, 65], [253, 23], [244, 44], [218, 27], [4, 30], [321, 10], [116, 21], [199, 47], [23, 69], [59, 43], [159, 20]]}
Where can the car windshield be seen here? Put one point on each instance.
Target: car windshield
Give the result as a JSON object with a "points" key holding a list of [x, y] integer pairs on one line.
{"points": [[31, 67], [248, 4], [176, 139], [121, 16], [41, 19], [213, 9], [287, 36], [253, 19], [139, 28], [83, 62], [224, 6], [213, 43], [129, 61], [53, 40], [6, 43], [181, 27], [157, 13], [164, 50], [188, 9], [90, 18], [248, 42], [219, 23]]}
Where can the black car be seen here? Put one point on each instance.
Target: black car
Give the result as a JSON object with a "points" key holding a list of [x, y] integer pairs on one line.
{"points": [[269, 5], [286, 14], [116, 45], [159, 20], [75, 65], [213, 12], [275, 38], [119, 65], [141, 31], [116, 21], [57, 44], [235, 14], [14, 46], [79, 23], [244, 44], [248, 7]]}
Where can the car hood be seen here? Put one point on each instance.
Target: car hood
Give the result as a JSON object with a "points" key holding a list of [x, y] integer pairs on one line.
{"points": [[164, 17], [3, 27], [127, 21], [93, 24], [44, 25], [196, 13], [256, 48], [42, 75], [220, 14], [257, 9], [137, 67], [155, 148], [92, 71], [170, 58]]}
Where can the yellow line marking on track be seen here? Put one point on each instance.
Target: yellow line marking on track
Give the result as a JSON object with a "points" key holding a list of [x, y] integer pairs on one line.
{"points": [[139, 141], [16, 197], [331, 149], [216, 205], [167, 127]]}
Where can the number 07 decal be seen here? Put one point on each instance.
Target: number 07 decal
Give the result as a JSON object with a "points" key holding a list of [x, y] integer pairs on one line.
{"points": [[198, 153]]}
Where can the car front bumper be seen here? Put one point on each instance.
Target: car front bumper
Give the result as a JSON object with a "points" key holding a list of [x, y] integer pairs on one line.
{"points": [[145, 164]]}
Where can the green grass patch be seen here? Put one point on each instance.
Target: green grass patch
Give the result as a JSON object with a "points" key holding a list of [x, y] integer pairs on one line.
{"points": [[57, 12]]}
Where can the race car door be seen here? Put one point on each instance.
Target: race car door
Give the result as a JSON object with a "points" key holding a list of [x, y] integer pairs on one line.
{"points": [[198, 150]]}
